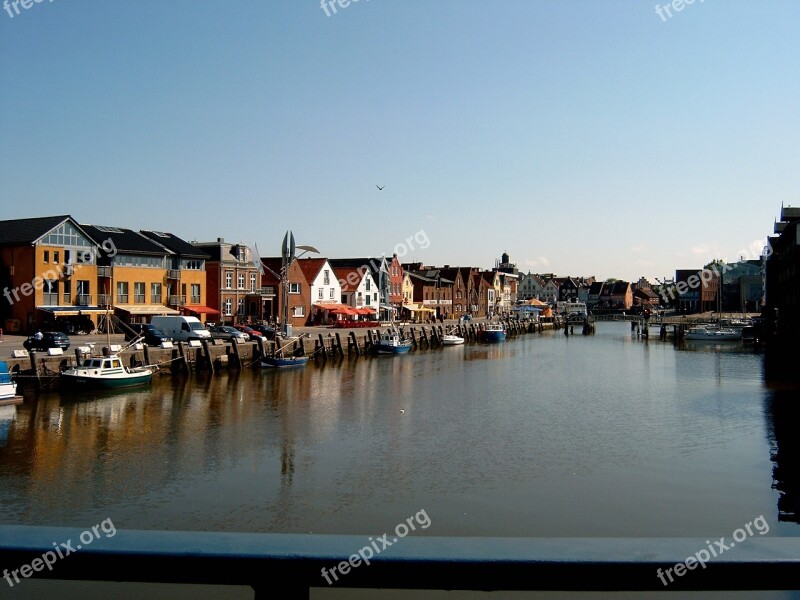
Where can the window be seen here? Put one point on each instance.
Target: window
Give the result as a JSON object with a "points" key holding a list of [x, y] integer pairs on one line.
{"points": [[240, 281], [367, 299], [50, 292], [228, 280], [321, 294], [193, 265], [155, 293], [332, 294], [252, 282], [299, 311], [67, 257], [326, 280], [368, 282], [195, 293], [55, 258], [240, 309], [46, 256], [122, 292], [294, 288], [67, 291], [138, 292], [374, 296], [228, 307]]}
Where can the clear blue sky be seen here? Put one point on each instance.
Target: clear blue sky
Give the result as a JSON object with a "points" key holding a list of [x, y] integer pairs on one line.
{"points": [[587, 138]]}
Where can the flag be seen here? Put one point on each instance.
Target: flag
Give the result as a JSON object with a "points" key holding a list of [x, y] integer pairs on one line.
{"points": [[257, 260]]}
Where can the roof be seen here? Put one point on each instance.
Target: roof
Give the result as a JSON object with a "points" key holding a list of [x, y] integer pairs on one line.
{"points": [[347, 280], [621, 287], [125, 240], [27, 231], [596, 287], [271, 274], [372, 263], [175, 244], [311, 267]]}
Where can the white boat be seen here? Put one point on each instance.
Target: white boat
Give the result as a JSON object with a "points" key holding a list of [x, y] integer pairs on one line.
{"points": [[8, 387], [713, 334], [450, 339], [105, 372]]}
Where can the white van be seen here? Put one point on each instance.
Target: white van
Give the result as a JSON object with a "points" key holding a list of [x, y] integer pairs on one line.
{"points": [[180, 328]]}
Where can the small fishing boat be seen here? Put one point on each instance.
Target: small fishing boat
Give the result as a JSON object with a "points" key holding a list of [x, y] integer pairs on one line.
{"points": [[390, 342], [284, 361], [450, 339], [8, 387], [279, 360], [493, 332], [713, 334], [105, 372]]}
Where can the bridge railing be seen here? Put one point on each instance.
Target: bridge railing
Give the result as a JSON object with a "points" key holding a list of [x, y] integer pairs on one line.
{"points": [[297, 562]]}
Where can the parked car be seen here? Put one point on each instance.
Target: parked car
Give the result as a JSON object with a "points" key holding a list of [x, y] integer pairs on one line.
{"points": [[252, 334], [226, 332], [267, 331], [50, 339], [148, 334]]}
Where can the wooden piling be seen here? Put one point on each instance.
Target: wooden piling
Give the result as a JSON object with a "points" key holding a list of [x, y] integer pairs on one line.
{"points": [[353, 343], [207, 356], [236, 358], [339, 350], [184, 361]]}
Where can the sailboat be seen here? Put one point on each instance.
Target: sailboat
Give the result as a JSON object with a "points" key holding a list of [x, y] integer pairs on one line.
{"points": [[105, 372], [278, 360]]}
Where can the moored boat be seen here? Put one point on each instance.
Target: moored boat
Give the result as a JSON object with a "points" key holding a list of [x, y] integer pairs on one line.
{"points": [[284, 361], [493, 332], [390, 342], [8, 387], [451, 339], [105, 372], [713, 334]]}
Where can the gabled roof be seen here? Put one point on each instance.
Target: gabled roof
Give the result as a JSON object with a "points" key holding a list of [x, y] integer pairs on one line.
{"points": [[596, 287], [621, 287], [311, 267], [346, 275], [374, 264], [175, 244], [273, 265], [645, 293], [27, 231], [125, 240]]}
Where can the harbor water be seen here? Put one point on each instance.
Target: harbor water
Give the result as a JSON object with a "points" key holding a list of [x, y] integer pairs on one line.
{"points": [[541, 435]]}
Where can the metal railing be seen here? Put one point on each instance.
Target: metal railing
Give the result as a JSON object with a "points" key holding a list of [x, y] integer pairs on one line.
{"points": [[104, 271], [298, 562], [177, 300], [104, 299], [173, 274], [83, 300]]}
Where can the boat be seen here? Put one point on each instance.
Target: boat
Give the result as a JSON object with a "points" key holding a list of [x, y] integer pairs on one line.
{"points": [[450, 339], [390, 342], [713, 334], [284, 361], [8, 387], [493, 332], [105, 372]]}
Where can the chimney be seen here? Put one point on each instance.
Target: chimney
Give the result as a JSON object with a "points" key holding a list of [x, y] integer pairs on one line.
{"points": [[220, 240]]}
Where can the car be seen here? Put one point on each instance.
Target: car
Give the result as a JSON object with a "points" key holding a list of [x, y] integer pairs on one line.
{"points": [[147, 333], [226, 332], [265, 330], [252, 334], [50, 339]]}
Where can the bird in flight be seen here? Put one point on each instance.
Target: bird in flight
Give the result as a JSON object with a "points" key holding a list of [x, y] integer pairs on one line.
{"points": [[379, 187]]}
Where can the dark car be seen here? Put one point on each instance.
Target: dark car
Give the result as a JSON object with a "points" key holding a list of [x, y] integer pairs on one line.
{"points": [[226, 332], [147, 333], [265, 330], [252, 334], [50, 339]]}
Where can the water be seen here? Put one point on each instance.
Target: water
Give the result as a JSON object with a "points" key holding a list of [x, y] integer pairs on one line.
{"points": [[538, 436]]}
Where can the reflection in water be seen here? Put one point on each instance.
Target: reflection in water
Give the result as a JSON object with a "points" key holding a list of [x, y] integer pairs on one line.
{"points": [[782, 413], [540, 435]]}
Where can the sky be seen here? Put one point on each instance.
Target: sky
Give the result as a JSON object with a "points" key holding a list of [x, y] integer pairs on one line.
{"points": [[582, 138]]}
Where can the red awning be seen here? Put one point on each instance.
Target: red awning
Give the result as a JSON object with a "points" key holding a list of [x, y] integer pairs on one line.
{"points": [[202, 310], [365, 311]]}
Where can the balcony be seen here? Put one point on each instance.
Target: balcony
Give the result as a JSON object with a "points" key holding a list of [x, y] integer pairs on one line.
{"points": [[138, 298], [173, 274], [104, 299], [265, 291], [83, 300], [195, 300], [122, 298], [104, 271], [177, 300]]}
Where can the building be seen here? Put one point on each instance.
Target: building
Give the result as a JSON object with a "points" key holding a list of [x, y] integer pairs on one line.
{"points": [[783, 276], [530, 287], [621, 295], [379, 269], [298, 295], [396, 279], [742, 285], [49, 275], [594, 295], [233, 275], [358, 287], [324, 289], [186, 286]]}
